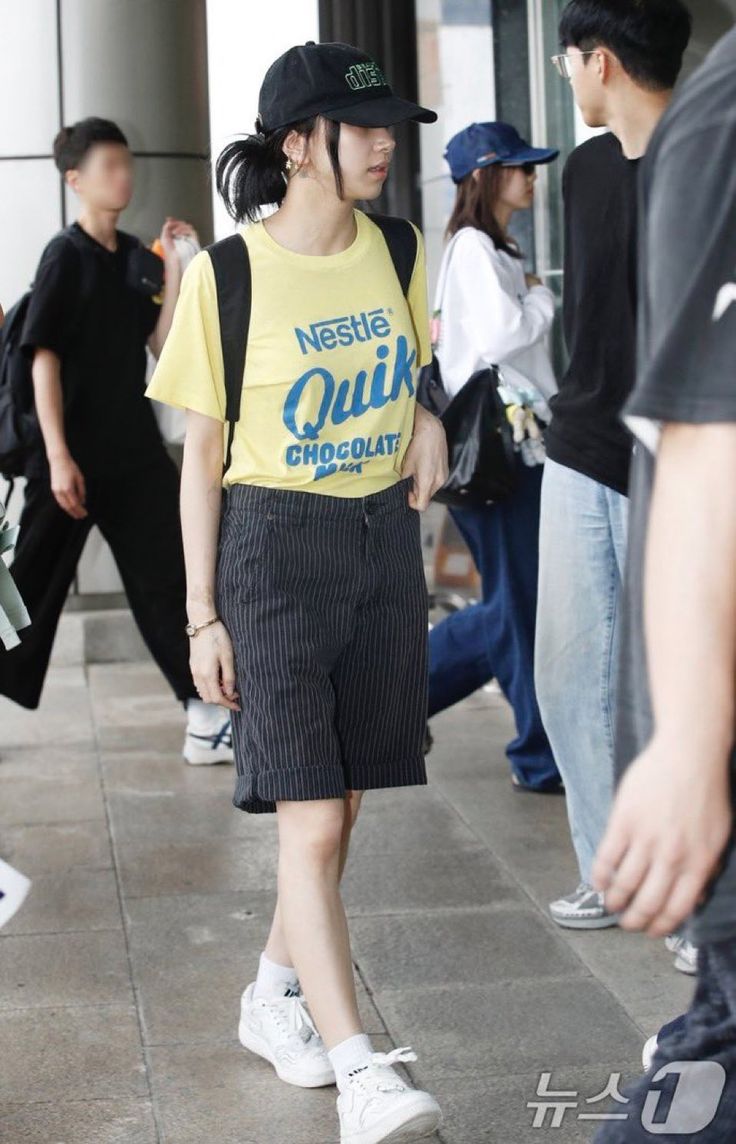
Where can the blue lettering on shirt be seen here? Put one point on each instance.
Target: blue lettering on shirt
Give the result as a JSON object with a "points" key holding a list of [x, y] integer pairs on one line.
{"points": [[338, 402], [344, 331]]}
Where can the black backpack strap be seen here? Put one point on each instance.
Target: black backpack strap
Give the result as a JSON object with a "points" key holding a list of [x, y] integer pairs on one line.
{"points": [[231, 265], [401, 240]]}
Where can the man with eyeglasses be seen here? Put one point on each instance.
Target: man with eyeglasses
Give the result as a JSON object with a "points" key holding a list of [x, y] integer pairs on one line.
{"points": [[622, 58]]}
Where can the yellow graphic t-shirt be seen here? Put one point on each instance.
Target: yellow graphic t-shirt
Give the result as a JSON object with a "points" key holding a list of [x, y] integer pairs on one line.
{"points": [[331, 365]]}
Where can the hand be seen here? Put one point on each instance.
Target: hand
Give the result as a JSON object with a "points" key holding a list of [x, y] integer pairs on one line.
{"points": [[669, 826], [174, 228], [426, 459], [212, 665], [533, 280], [68, 486]]}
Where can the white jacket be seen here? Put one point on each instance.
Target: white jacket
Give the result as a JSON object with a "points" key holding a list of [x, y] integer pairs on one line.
{"points": [[489, 316]]}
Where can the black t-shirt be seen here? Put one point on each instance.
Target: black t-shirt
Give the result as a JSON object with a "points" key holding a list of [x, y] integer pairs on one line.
{"points": [[599, 313], [687, 360], [84, 309]]}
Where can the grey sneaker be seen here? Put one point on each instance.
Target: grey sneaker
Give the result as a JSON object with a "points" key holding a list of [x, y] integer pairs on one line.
{"points": [[686, 954], [585, 909]]}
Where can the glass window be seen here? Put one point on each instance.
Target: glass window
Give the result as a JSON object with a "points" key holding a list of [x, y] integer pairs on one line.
{"points": [[456, 78]]}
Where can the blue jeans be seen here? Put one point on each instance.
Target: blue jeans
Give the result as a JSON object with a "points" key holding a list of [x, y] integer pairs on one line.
{"points": [[581, 558], [698, 1098], [495, 638]]}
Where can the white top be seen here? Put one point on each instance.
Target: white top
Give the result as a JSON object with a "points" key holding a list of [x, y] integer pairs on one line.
{"points": [[489, 316]]}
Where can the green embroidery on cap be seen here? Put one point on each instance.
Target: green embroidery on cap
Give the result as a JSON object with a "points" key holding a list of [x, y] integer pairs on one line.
{"points": [[360, 76]]}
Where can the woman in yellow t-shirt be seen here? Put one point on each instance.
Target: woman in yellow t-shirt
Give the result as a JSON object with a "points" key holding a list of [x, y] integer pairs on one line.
{"points": [[306, 593]]}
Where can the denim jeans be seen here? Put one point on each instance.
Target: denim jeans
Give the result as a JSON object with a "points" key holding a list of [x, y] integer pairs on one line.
{"points": [[694, 1068], [581, 557], [495, 638]]}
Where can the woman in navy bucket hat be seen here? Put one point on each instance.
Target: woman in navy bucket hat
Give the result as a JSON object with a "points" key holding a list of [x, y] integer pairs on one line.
{"points": [[489, 312]]}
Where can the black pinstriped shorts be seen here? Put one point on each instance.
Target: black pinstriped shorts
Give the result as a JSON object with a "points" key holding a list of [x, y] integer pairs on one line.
{"points": [[326, 605]]}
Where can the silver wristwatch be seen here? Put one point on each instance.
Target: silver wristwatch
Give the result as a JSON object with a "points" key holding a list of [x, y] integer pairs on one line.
{"points": [[192, 629]]}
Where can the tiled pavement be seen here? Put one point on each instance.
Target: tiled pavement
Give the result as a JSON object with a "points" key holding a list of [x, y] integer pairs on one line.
{"points": [[120, 977]]}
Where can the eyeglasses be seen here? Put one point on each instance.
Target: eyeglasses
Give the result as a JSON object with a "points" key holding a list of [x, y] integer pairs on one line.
{"points": [[563, 62]]}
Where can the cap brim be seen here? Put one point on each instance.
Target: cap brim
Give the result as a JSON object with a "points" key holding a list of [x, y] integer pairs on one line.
{"points": [[538, 155], [385, 111]]}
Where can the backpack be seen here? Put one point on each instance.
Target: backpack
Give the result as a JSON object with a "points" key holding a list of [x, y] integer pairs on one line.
{"points": [[231, 266], [20, 434], [18, 424]]}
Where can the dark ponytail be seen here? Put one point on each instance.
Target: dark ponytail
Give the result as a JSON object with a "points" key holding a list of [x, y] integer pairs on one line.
{"points": [[251, 173]]}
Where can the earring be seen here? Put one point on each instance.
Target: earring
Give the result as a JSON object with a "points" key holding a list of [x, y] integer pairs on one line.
{"points": [[289, 164]]}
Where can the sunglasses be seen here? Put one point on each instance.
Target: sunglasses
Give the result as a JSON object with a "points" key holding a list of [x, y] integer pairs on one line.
{"points": [[527, 168]]}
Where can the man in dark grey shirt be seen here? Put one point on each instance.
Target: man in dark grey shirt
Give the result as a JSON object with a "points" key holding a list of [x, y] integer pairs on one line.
{"points": [[668, 857]]}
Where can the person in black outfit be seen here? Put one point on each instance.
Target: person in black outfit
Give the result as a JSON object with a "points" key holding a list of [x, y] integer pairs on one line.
{"points": [[93, 309], [676, 744], [622, 58]]}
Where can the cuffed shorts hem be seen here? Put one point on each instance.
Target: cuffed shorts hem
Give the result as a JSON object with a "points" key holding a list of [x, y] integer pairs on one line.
{"points": [[258, 794]]}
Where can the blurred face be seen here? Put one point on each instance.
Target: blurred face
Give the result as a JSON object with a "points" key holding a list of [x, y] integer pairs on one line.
{"points": [[517, 187], [587, 74], [104, 178], [364, 154]]}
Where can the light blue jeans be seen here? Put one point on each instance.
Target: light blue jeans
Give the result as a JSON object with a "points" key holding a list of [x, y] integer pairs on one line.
{"points": [[582, 547]]}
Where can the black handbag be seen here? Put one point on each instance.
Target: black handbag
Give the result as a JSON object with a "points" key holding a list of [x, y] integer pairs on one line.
{"points": [[480, 439]]}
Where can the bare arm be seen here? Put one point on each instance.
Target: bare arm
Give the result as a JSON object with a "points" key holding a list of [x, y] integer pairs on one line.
{"points": [[173, 273], [211, 656], [67, 480], [655, 863], [171, 297], [693, 533], [426, 458]]}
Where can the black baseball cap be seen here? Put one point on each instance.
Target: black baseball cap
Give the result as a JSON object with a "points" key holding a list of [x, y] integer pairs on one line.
{"points": [[334, 80]]}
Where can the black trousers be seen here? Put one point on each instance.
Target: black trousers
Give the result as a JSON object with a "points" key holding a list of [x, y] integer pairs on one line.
{"points": [[138, 515]]}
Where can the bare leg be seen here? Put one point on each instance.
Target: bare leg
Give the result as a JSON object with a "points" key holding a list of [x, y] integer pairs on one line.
{"points": [[352, 806], [276, 948], [313, 839]]}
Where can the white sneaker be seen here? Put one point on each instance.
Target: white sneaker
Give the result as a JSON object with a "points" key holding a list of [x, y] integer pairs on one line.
{"points": [[378, 1106], [584, 909], [648, 1052], [281, 1031], [13, 889], [671, 1029], [686, 954], [202, 750]]}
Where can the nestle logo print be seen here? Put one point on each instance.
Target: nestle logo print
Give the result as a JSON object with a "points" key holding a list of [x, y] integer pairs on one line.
{"points": [[360, 76], [343, 331]]}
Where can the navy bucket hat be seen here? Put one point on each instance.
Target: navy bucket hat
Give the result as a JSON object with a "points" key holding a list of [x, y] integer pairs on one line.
{"points": [[489, 144]]}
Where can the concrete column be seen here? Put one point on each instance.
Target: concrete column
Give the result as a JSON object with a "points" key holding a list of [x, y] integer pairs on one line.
{"points": [[141, 63]]}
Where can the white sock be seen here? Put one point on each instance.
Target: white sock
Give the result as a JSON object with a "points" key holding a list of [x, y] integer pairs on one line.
{"points": [[274, 980], [349, 1055], [204, 718]]}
